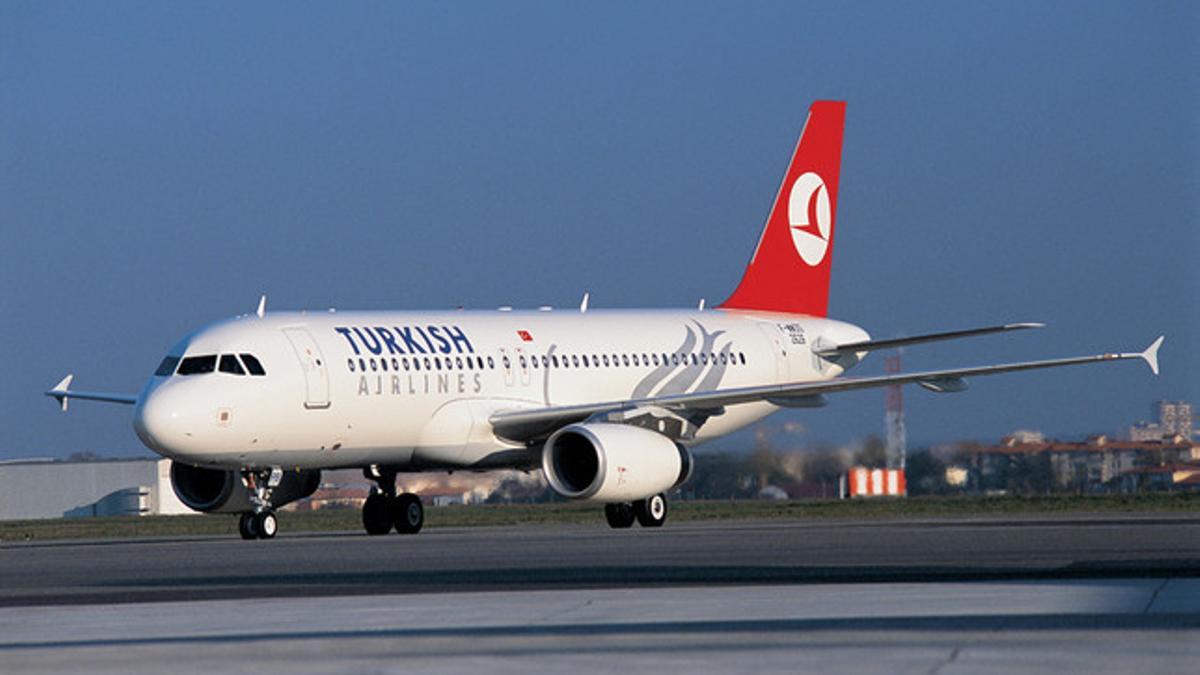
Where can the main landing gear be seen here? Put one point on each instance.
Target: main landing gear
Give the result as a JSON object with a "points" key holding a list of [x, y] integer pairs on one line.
{"points": [[260, 523], [384, 509], [649, 512]]}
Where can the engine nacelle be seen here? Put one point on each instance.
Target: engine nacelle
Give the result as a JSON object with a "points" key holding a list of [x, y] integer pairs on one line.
{"points": [[222, 491], [613, 462]]}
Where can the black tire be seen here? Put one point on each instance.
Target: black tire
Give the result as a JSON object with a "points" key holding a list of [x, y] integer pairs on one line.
{"points": [[266, 525], [246, 526], [376, 514], [408, 514], [652, 511], [619, 516]]}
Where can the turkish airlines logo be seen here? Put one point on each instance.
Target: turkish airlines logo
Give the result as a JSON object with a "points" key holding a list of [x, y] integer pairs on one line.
{"points": [[810, 218]]}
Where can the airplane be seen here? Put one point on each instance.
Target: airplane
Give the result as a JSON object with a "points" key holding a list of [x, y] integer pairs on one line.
{"points": [[608, 404]]}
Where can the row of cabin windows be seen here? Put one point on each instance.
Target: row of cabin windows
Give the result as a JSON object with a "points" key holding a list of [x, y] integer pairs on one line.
{"points": [[545, 361], [233, 364], [428, 363]]}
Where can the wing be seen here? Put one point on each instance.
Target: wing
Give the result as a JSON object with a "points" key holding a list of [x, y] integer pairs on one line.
{"points": [[531, 424], [62, 393]]}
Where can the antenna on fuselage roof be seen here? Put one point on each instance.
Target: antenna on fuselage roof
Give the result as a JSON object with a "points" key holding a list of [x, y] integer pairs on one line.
{"points": [[701, 307], [262, 306], [584, 303]]}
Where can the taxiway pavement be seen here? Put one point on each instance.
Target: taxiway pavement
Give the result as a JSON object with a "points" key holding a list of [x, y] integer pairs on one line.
{"points": [[1033, 594]]}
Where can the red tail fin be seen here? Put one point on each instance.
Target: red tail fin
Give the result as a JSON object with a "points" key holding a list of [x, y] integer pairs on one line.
{"points": [[790, 268]]}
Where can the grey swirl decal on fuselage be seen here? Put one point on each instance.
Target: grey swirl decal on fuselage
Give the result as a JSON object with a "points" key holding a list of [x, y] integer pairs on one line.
{"points": [[689, 374]]}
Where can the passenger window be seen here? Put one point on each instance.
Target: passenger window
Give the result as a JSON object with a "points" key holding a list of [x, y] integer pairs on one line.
{"points": [[198, 365], [742, 356], [395, 364], [427, 365], [405, 362], [491, 363], [479, 362], [554, 359], [625, 360], [674, 359], [229, 364], [458, 362], [350, 364], [655, 359], [575, 360], [167, 367], [252, 364], [606, 360], [635, 360], [585, 361], [383, 363], [523, 362]]}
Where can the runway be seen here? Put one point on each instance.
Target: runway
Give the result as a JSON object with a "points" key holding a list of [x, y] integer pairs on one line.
{"points": [[1002, 595]]}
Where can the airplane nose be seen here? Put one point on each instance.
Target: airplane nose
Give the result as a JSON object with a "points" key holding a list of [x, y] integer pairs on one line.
{"points": [[159, 420]]}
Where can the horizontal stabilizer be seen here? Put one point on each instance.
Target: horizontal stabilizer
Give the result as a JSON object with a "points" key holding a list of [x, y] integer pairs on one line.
{"points": [[824, 348]]}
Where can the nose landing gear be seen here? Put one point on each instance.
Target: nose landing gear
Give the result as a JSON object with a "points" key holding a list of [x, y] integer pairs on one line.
{"points": [[260, 523], [384, 509]]}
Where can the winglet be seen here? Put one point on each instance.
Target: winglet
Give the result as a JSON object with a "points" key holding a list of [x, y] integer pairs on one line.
{"points": [[262, 306], [1150, 356], [59, 392], [583, 304]]}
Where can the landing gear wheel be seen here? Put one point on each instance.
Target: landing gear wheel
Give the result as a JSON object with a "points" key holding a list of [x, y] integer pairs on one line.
{"points": [[408, 514], [652, 511], [619, 516], [266, 525], [375, 514], [246, 526]]}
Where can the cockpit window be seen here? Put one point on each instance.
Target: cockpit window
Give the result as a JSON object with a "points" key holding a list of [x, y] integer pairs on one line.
{"points": [[198, 365], [167, 366], [229, 364], [252, 364]]}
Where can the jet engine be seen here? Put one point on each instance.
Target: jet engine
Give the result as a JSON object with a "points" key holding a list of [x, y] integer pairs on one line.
{"points": [[222, 491], [611, 463]]}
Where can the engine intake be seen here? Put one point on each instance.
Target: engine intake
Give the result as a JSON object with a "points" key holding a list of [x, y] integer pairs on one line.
{"points": [[221, 490], [613, 462]]}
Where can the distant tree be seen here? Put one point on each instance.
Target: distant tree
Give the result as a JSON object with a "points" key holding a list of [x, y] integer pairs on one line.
{"points": [[823, 465], [720, 475], [872, 454], [925, 474], [1029, 474]]}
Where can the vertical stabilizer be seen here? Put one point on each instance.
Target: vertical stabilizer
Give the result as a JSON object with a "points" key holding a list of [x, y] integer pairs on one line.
{"points": [[790, 268]]}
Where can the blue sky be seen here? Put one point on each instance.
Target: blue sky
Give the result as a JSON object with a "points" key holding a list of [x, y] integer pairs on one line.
{"points": [[162, 164]]}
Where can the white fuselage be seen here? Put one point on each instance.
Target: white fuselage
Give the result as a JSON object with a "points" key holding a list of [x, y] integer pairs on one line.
{"points": [[415, 390]]}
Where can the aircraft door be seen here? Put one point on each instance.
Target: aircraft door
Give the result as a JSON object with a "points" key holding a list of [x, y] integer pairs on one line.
{"points": [[778, 350], [316, 373]]}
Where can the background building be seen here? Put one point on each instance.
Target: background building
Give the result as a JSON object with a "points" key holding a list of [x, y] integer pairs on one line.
{"points": [[46, 489], [1174, 419]]}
